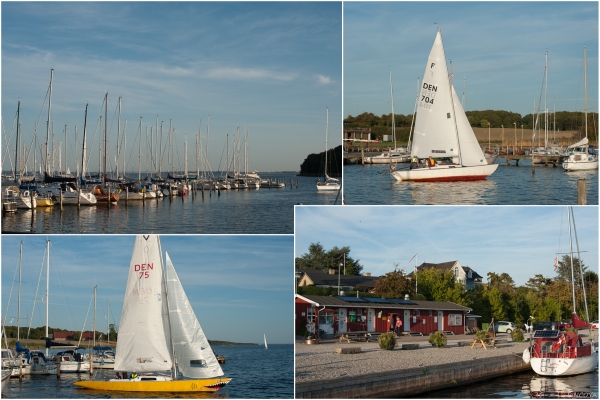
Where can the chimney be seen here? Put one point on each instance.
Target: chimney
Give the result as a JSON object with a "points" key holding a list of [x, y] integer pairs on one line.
{"points": [[331, 271], [406, 297], [367, 274]]}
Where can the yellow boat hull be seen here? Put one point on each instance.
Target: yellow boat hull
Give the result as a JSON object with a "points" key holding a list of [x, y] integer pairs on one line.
{"points": [[195, 385]]}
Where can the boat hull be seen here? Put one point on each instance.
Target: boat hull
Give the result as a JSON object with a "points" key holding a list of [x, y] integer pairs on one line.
{"points": [[444, 173], [328, 188], [564, 366], [179, 386], [580, 165]]}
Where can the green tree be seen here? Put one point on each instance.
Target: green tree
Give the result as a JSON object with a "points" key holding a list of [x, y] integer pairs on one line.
{"points": [[440, 285], [563, 271], [393, 285], [318, 258]]}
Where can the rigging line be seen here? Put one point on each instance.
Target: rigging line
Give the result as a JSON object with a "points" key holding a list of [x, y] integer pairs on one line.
{"points": [[68, 306], [36, 295], [10, 294]]}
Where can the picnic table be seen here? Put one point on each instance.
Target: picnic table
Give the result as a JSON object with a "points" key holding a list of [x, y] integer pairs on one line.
{"points": [[357, 335], [483, 342]]}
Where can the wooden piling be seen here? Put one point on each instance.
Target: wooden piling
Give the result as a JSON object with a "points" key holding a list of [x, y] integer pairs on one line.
{"points": [[581, 192]]}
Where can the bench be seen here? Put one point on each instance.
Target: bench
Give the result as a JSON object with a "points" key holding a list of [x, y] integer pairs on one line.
{"points": [[348, 350], [484, 342], [349, 336], [463, 344]]}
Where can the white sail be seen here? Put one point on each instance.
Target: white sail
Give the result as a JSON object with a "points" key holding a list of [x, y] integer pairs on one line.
{"points": [[194, 356], [435, 126], [266, 347], [470, 151], [143, 340]]}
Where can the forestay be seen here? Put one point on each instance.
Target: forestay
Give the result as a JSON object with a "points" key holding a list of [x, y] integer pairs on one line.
{"points": [[195, 358], [435, 126], [143, 340], [470, 151]]}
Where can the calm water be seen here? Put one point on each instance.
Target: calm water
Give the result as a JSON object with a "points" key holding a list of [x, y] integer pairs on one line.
{"points": [[508, 185], [256, 373], [524, 386], [262, 211]]}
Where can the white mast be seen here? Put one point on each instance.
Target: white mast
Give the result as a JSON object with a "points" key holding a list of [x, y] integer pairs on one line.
{"points": [[47, 286], [140, 153], [326, 133], [48, 123], [393, 116]]}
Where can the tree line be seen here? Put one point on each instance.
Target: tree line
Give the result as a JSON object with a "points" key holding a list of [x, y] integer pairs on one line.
{"points": [[543, 297], [565, 121], [314, 164], [39, 333]]}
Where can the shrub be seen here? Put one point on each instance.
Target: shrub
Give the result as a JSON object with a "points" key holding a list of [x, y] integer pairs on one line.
{"points": [[387, 341], [482, 334], [517, 335], [437, 339]]}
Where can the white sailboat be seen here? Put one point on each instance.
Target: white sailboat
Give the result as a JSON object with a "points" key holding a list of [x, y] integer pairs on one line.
{"points": [[266, 347], [579, 157], [562, 353], [442, 130], [159, 331], [330, 183]]}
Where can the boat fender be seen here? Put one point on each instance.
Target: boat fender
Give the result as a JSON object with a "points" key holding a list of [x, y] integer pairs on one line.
{"points": [[526, 356], [26, 193]]}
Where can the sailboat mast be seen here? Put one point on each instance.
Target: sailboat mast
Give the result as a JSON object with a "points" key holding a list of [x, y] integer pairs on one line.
{"points": [[587, 317], [571, 257], [546, 105], [326, 133], [83, 149], [47, 285], [140, 152], [48, 123], [118, 133], [393, 116], [19, 298], [94, 334], [108, 324], [585, 90], [17, 142], [166, 291], [105, 136]]}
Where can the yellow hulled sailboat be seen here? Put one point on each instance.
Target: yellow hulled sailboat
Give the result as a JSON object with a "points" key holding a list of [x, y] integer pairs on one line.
{"points": [[159, 332]]}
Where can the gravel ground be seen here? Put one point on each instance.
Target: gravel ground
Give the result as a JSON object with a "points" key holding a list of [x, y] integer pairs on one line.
{"points": [[321, 362]]}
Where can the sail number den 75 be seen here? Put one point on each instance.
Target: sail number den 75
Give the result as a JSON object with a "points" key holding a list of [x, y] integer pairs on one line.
{"points": [[143, 270]]}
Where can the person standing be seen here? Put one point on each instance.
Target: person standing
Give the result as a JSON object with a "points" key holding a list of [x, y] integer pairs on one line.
{"points": [[398, 326]]}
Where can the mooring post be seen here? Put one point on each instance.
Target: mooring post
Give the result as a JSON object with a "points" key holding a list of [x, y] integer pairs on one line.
{"points": [[581, 192]]}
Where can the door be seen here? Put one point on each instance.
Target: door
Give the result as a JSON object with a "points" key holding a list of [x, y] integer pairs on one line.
{"points": [[371, 320], [342, 315], [440, 320], [406, 324]]}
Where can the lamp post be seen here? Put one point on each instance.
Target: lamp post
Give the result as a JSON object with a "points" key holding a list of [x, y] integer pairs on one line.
{"points": [[515, 124], [298, 275], [521, 137], [339, 267]]}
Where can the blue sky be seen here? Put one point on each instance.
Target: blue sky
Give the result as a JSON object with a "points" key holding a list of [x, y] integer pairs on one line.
{"points": [[272, 66], [498, 47], [521, 241], [240, 286]]}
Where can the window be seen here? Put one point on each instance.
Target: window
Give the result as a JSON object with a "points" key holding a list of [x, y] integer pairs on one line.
{"points": [[198, 364], [455, 269], [430, 313], [310, 314], [418, 312], [455, 319], [325, 318]]}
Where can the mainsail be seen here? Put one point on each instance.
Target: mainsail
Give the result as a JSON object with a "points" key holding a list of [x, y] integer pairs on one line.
{"points": [[195, 358], [435, 126], [143, 340]]}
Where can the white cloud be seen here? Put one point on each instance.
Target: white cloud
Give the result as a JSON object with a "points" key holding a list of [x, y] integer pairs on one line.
{"points": [[324, 80], [248, 74]]}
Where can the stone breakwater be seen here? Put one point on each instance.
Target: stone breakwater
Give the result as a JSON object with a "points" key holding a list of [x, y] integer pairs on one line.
{"points": [[322, 373]]}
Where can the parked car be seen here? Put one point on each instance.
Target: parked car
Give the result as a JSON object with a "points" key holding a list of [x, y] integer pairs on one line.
{"points": [[594, 325], [504, 326]]}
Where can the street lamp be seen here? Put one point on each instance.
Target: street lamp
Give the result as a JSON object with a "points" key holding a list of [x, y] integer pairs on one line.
{"points": [[298, 275], [339, 267]]}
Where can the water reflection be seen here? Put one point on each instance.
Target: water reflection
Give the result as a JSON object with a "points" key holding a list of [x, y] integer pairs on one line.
{"points": [[573, 387]]}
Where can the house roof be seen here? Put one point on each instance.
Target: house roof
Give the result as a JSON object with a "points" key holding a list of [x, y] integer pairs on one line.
{"points": [[60, 335], [448, 265], [322, 278], [339, 301]]}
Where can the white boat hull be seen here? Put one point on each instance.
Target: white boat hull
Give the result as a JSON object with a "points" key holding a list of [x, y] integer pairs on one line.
{"points": [[448, 173], [564, 366], [74, 366], [584, 165], [385, 159], [328, 187]]}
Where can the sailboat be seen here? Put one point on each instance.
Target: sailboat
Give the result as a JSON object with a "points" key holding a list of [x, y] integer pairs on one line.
{"points": [[159, 331], [397, 154], [330, 183], [579, 157], [266, 347], [442, 130], [561, 353]]}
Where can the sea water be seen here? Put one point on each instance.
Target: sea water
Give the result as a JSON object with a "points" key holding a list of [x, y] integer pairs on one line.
{"points": [[523, 386], [255, 372], [248, 211], [508, 185]]}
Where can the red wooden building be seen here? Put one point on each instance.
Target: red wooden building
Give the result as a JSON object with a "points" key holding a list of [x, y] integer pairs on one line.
{"points": [[334, 314]]}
